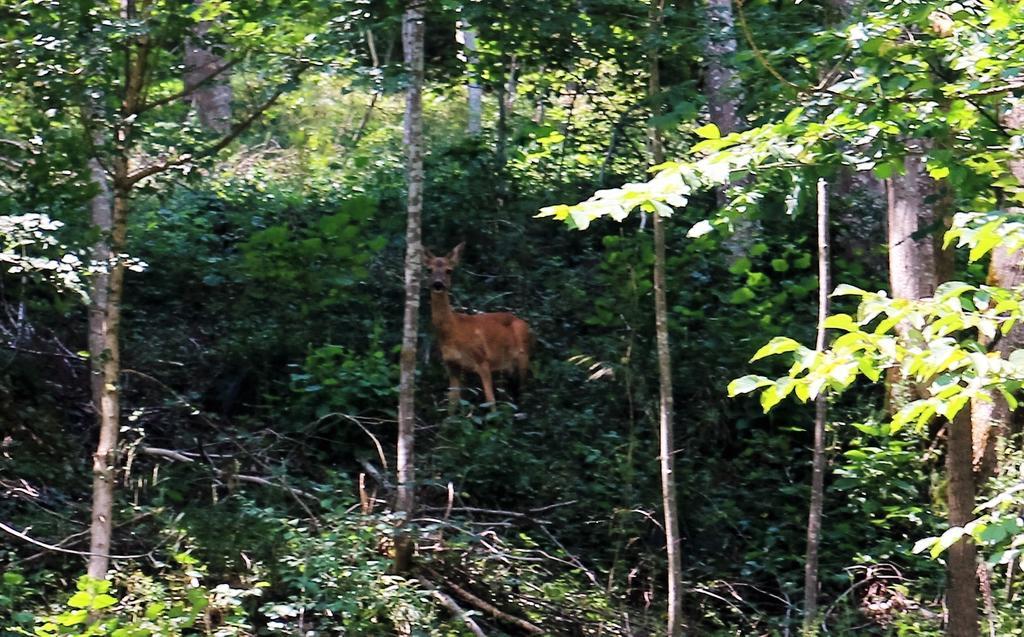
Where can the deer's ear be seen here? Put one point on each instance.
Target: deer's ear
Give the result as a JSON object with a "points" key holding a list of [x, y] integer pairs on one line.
{"points": [[456, 254], [428, 255]]}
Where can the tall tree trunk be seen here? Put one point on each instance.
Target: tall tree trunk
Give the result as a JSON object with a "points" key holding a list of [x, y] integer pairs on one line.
{"points": [[721, 89], [991, 418], [412, 41], [665, 404], [820, 414], [917, 210], [108, 212], [207, 77], [474, 90], [961, 559]]}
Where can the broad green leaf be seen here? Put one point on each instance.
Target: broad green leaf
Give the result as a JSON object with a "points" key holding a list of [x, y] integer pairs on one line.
{"points": [[708, 131], [778, 345], [923, 544], [947, 539], [841, 322], [844, 289], [747, 384], [81, 599], [699, 229]]}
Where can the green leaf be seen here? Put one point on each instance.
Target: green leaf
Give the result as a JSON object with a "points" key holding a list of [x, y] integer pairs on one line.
{"points": [[844, 289], [740, 266], [747, 384], [13, 579], [841, 322], [708, 131], [780, 265], [102, 601], [81, 599], [741, 295], [923, 544], [778, 345], [948, 539]]}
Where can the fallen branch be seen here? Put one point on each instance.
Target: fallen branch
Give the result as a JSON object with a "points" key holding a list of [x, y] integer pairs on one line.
{"points": [[179, 456], [486, 607], [453, 607]]}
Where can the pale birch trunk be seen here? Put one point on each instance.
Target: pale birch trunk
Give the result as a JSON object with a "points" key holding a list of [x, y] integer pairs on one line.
{"points": [[412, 41], [666, 415], [474, 91], [108, 210], [820, 414]]}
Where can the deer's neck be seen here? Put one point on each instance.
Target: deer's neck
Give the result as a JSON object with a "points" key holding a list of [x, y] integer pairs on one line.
{"points": [[441, 311]]}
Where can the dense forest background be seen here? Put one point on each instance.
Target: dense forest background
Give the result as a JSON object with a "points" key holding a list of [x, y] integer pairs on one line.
{"points": [[250, 161]]}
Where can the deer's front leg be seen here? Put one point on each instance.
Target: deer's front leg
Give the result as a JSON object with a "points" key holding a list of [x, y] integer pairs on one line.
{"points": [[485, 379]]}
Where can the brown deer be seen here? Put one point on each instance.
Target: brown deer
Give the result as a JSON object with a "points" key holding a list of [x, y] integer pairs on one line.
{"points": [[485, 344]]}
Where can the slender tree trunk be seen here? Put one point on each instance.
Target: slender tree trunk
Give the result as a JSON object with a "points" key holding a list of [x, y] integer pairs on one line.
{"points": [[722, 90], [412, 40], [474, 90], [820, 414], [961, 558], [211, 95], [665, 405], [108, 211]]}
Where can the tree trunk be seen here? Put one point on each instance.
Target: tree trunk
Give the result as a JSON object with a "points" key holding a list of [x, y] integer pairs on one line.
{"points": [[474, 90], [962, 585], [722, 91], [917, 212], [820, 413], [108, 211], [412, 41], [206, 76], [991, 418], [665, 404]]}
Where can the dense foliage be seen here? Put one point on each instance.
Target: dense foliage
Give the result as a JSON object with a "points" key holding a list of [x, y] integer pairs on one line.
{"points": [[263, 305]]}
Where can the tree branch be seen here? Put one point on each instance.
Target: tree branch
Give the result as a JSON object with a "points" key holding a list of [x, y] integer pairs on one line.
{"points": [[185, 92], [487, 607]]}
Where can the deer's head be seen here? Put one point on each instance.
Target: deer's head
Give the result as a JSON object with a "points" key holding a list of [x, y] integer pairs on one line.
{"points": [[440, 268]]}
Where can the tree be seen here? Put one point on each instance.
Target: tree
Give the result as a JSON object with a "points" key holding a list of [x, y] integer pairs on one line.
{"points": [[721, 86], [125, 133], [666, 412], [466, 35], [412, 41], [820, 415]]}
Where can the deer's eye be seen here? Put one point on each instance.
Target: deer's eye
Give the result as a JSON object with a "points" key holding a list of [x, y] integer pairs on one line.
{"points": [[448, 271]]}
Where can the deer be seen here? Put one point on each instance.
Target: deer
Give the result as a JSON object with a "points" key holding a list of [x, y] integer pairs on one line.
{"points": [[485, 344]]}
